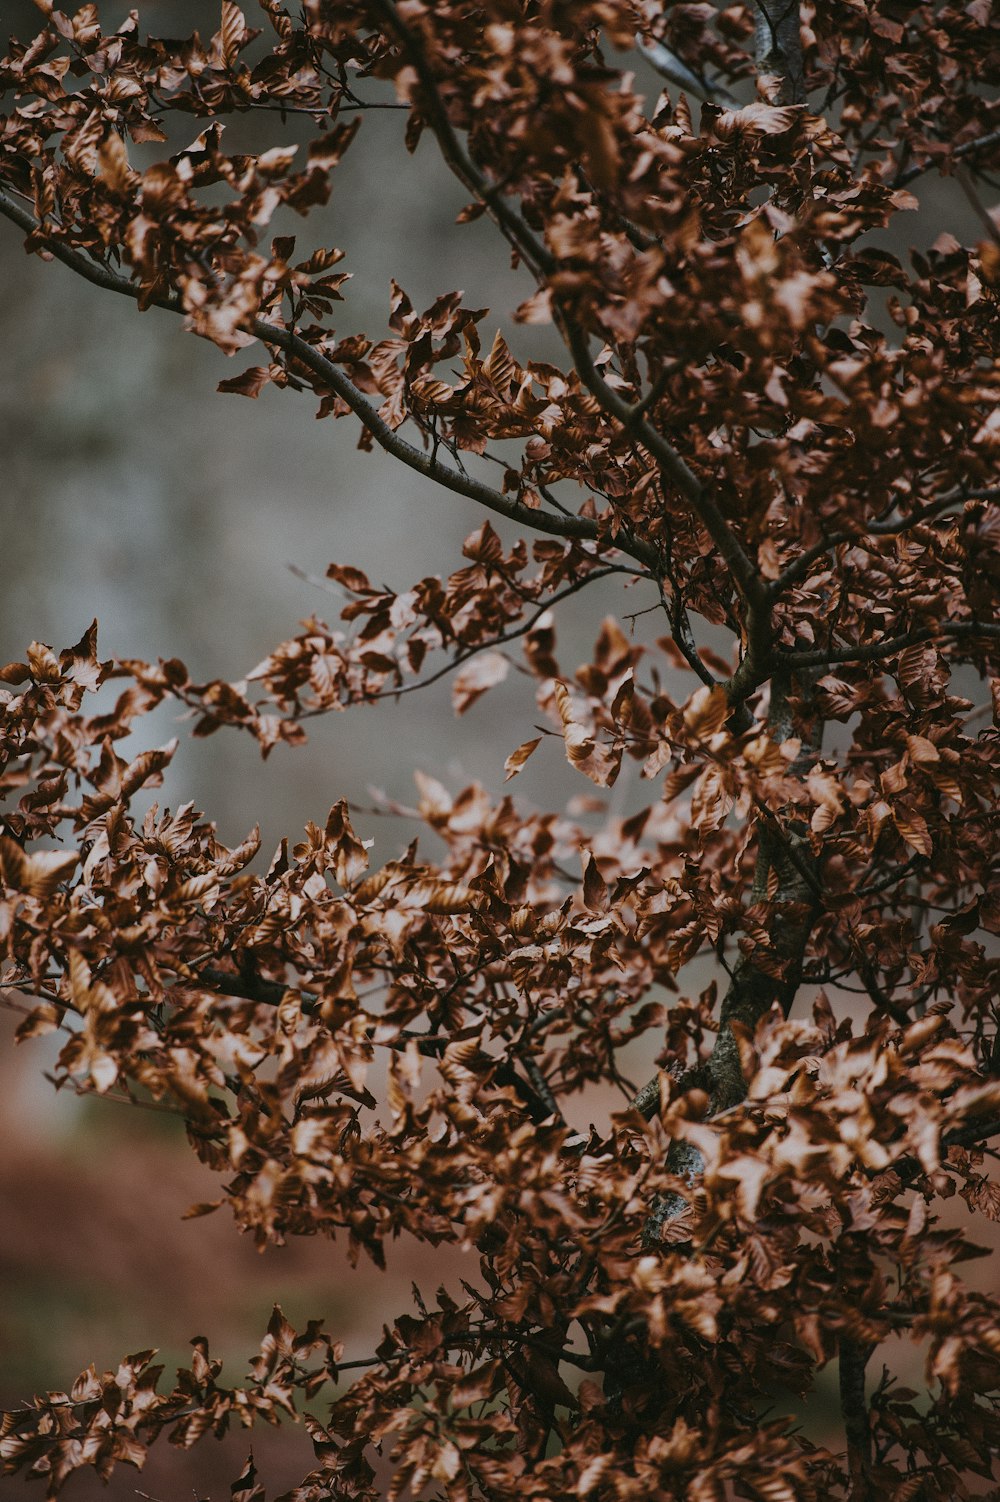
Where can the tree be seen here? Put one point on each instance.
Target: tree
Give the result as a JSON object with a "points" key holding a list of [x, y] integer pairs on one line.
{"points": [[788, 437]]}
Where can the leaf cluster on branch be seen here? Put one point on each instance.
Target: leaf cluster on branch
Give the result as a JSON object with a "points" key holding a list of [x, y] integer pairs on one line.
{"points": [[784, 436]]}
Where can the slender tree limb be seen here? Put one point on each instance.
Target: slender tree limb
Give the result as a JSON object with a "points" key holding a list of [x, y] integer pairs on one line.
{"points": [[416, 459], [779, 47], [964, 179], [540, 1104], [536, 254], [340, 383], [541, 1086], [879, 651], [893, 878], [501, 639], [681, 628], [675, 469], [974, 1134], [800, 566], [880, 1001], [960, 153], [532, 251], [755, 666], [277, 107]]}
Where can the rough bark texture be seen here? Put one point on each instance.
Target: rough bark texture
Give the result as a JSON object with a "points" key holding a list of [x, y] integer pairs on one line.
{"points": [[779, 48], [854, 1356]]}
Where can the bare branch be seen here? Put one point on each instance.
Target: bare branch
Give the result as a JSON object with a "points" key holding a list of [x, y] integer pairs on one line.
{"points": [[670, 67]]}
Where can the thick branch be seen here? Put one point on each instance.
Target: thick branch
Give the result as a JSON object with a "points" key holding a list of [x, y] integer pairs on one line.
{"points": [[779, 47], [967, 149], [535, 253], [752, 991]]}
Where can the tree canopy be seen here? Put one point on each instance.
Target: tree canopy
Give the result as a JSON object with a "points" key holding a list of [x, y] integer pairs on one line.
{"points": [[788, 434]]}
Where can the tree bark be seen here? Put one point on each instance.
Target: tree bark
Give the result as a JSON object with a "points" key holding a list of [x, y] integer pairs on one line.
{"points": [[753, 991], [854, 1356], [779, 48]]}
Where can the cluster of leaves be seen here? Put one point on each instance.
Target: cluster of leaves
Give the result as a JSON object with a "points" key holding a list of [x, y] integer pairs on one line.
{"points": [[789, 438]]}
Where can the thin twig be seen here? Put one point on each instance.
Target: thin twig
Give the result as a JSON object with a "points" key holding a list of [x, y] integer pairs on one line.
{"points": [[501, 639], [967, 149], [968, 187]]}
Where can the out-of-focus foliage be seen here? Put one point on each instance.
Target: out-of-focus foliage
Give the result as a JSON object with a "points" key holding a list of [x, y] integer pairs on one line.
{"points": [[792, 437]]}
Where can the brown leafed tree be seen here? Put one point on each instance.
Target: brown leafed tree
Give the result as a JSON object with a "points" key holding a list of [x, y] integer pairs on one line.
{"points": [[788, 437]]}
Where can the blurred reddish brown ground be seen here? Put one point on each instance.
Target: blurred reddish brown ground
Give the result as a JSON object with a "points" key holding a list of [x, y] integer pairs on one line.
{"points": [[96, 1262]]}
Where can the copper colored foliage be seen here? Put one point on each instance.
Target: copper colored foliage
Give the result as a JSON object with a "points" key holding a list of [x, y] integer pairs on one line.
{"points": [[789, 433]]}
